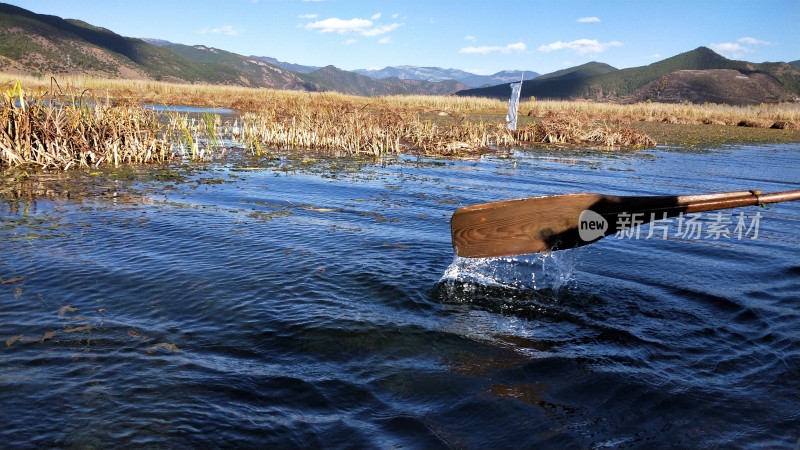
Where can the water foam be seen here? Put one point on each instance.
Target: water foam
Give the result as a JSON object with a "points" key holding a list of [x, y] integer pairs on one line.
{"points": [[541, 271]]}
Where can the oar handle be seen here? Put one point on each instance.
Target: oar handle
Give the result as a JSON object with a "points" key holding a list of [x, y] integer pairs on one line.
{"points": [[777, 197], [712, 202], [656, 208]]}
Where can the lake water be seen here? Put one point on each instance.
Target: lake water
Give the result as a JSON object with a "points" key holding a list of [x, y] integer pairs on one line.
{"points": [[299, 304], [191, 110]]}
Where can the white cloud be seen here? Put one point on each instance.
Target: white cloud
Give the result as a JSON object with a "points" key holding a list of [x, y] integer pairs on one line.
{"points": [[486, 49], [738, 49], [580, 46], [340, 26], [752, 41], [226, 30], [729, 49], [589, 19], [350, 41], [380, 29], [385, 40], [376, 16], [308, 16], [364, 27], [470, 38], [654, 56]]}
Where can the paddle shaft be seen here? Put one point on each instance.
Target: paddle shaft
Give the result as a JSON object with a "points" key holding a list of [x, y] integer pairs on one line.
{"points": [[712, 202], [535, 224]]}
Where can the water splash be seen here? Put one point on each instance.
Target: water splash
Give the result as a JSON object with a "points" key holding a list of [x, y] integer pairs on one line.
{"points": [[542, 271]]}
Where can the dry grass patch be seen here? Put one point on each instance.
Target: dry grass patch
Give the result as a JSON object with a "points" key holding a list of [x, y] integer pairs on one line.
{"points": [[762, 116], [67, 131], [575, 131], [119, 130]]}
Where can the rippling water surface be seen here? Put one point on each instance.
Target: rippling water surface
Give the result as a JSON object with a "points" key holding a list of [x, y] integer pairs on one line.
{"points": [[249, 307]]}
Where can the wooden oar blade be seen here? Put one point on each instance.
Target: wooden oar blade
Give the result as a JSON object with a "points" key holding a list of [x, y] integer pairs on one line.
{"points": [[537, 224], [519, 226]]}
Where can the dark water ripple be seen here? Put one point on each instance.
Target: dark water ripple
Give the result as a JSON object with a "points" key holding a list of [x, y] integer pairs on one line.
{"points": [[309, 309]]}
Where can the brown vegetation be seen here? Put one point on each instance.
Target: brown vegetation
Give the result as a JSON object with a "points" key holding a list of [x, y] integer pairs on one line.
{"points": [[574, 130], [45, 134], [61, 131], [764, 115], [252, 100]]}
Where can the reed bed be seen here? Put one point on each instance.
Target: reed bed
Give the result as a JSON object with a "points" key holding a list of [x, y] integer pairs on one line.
{"points": [[44, 127], [574, 131], [74, 131], [775, 115], [60, 131], [379, 130], [322, 122], [252, 100]]}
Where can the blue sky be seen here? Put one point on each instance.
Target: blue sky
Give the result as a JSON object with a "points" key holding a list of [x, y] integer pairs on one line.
{"points": [[477, 36]]}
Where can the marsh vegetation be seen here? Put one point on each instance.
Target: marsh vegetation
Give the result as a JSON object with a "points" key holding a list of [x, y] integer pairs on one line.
{"points": [[91, 122]]}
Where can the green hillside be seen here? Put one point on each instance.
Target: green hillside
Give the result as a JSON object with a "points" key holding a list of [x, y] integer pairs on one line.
{"points": [[40, 44], [567, 83], [589, 69], [555, 84], [602, 82], [787, 74], [37, 43], [43, 44], [625, 81], [613, 85], [232, 68]]}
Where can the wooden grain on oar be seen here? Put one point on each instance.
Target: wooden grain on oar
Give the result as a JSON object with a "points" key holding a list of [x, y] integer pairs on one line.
{"points": [[537, 224]]}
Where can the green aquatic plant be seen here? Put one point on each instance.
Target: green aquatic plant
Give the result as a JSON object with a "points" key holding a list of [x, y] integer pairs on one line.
{"points": [[211, 122]]}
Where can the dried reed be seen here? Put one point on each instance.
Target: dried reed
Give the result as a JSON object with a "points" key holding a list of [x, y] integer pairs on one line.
{"points": [[337, 125], [61, 132], [252, 100], [41, 128], [573, 130], [57, 132]]}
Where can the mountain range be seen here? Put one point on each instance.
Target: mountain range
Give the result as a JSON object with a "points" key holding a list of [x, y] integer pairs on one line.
{"points": [[40, 44], [439, 74], [696, 76]]}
